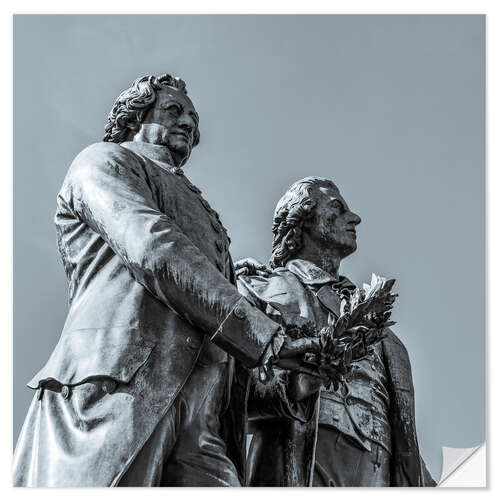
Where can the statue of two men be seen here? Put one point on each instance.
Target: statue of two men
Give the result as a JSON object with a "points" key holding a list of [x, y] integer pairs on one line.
{"points": [[149, 382]]}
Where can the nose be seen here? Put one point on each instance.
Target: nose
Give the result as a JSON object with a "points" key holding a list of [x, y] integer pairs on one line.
{"points": [[186, 123], [356, 219]]}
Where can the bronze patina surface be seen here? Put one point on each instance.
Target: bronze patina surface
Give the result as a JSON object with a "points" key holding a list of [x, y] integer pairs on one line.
{"points": [[152, 305]]}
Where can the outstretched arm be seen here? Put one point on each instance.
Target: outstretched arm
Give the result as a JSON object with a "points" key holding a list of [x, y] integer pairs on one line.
{"points": [[109, 189]]}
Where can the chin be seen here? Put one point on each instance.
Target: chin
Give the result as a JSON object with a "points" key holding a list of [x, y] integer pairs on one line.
{"points": [[349, 249], [182, 148]]}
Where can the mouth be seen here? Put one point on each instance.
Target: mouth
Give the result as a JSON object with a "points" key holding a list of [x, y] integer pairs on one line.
{"points": [[352, 231], [182, 134]]}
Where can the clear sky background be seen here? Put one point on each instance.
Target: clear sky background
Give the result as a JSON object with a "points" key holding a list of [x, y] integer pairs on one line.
{"points": [[389, 107]]}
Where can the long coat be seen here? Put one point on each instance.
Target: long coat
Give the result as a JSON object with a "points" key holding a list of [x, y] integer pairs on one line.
{"points": [[285, 297], [149, 274]]}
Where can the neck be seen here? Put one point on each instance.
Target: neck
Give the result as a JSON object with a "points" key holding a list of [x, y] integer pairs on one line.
{"points": [[154, 151], [324, 258], [161, 152]]}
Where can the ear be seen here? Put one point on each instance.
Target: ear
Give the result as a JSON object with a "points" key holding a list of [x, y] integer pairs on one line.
{"points": [[310, 220], [309, 213], [307, 224], [133, 126]]}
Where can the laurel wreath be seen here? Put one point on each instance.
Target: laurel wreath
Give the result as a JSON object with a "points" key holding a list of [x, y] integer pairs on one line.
{"points": [[364, 315]]}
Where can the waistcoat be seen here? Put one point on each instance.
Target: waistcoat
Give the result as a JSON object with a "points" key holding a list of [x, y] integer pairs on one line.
{"points": [[359, 408]]}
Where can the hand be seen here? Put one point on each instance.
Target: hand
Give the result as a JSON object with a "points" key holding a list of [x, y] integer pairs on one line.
{"points": [[250, 266], [302, 386], [291, 348], [291, 355]]}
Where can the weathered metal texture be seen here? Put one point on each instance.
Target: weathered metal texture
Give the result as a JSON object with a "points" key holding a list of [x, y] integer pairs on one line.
{"points": [[149, 275], [375, 405]]}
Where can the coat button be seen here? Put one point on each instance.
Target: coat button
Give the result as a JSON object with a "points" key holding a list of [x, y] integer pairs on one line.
{"points": [[65, 392], [109, 386], [215, 225], [193, 188], [240, 312], [348, 401], [191, 343], [207, 207]]}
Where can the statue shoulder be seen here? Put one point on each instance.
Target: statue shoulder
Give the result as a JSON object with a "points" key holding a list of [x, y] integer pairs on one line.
{"points": [[103, 158], [104, 152]]}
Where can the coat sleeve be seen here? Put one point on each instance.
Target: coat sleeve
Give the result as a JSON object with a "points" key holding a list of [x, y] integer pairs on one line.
{"points": [[109, 189], [408, 467]]}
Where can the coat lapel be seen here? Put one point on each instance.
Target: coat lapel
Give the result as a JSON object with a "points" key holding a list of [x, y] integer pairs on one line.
{"points": [[329, 299]]}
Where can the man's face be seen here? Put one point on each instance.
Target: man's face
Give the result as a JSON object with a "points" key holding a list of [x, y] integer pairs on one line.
{"points": [[333, 223], [171, 122]]}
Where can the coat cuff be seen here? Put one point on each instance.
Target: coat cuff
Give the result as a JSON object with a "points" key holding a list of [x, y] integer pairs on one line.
{"points": [[245, 333], [270, 356]]}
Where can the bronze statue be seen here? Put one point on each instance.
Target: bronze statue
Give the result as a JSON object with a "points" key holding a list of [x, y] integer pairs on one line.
{"points": [[133, 391], [361, 432]]}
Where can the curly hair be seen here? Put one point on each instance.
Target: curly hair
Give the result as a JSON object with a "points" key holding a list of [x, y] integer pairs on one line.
{"points": [[293, 209], [132, 104]]}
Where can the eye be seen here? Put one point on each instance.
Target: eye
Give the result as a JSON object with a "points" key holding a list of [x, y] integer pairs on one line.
{"points": [[338, 205], [173, 108]]}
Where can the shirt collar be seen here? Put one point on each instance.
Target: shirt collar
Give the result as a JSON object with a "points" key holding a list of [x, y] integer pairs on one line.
{"points": [[311, 274], [152, 151]]}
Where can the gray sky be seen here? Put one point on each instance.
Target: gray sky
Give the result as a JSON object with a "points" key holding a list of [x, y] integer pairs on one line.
{"points": [[389, 107]]}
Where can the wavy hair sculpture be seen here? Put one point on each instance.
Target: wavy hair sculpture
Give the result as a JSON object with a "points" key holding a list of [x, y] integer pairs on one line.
{"points": [[293, 209], [132, 104]]}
